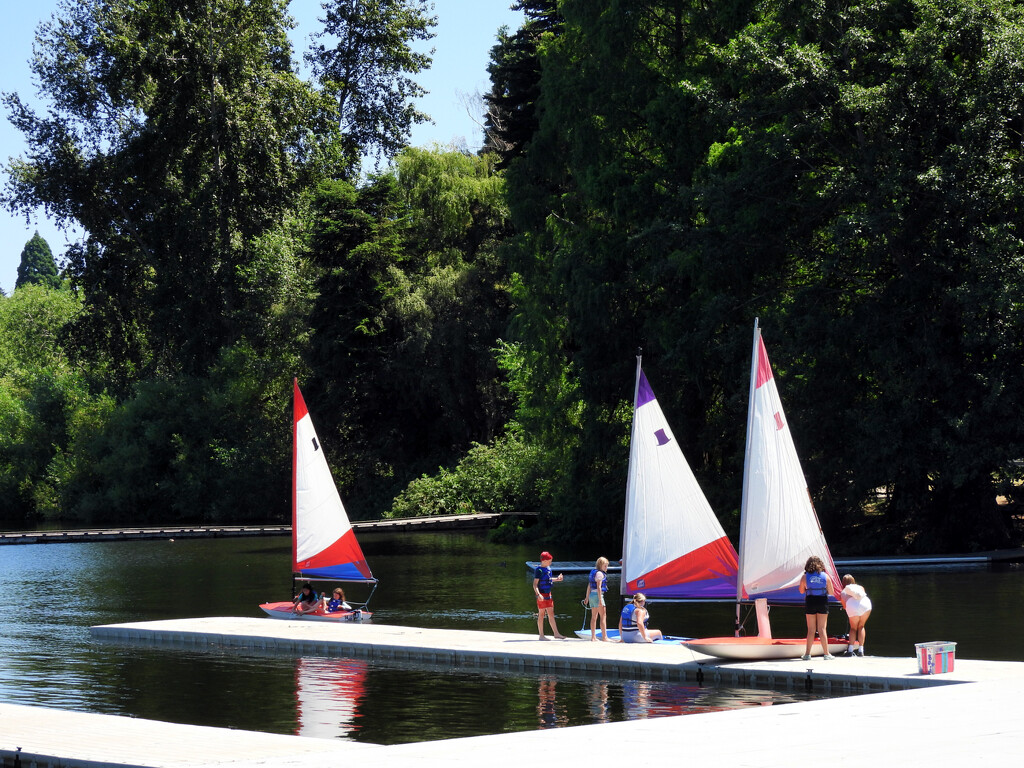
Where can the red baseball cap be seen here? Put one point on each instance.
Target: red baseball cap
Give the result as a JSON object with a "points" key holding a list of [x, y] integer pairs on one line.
{"points": [[546, 556]]}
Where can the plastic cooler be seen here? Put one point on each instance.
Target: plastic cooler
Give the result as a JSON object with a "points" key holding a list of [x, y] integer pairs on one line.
{"points": [[936, 658]]}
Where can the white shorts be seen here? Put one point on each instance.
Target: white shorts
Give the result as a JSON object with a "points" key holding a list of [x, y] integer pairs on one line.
{"points": [[858, 607]]}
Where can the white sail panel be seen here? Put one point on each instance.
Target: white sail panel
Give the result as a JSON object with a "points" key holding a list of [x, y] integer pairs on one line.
{"points": [[320, 517], [780, 527]]}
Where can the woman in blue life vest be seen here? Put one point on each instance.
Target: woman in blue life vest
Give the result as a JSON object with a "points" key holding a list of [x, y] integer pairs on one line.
{"points": [[816, 586], [633, 622], [596, 588]]}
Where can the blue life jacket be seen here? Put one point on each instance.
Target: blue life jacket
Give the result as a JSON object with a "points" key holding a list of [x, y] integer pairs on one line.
{"points": [[543, 576], [817, 583], [593, 580], [627, 618]]}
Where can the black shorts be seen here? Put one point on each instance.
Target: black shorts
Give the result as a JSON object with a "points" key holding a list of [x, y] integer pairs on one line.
{"points": [[815, 604]]}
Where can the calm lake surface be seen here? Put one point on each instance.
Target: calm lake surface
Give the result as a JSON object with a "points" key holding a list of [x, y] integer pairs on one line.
{"points": [[47, 658]]}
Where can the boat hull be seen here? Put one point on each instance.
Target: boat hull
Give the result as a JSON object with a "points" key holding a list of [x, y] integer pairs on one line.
{"points": [[761, 648], [286, 611]]}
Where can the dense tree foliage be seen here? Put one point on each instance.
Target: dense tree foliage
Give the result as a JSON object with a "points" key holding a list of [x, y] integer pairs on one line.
{"points": [[411, 304], [656, 174], [37, 265], [898, 274], [45, 402], [847, 171]]}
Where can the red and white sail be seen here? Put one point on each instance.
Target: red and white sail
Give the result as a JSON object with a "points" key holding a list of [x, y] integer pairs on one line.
{"points": [[673, 545], [779, 528], [324, 544]]}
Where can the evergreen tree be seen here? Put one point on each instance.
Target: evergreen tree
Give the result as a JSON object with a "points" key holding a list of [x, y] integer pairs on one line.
{"points": [[515, 72], [37, 265]]}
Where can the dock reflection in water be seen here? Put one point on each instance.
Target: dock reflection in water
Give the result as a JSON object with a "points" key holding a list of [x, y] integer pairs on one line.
{"points": [[361, 701]]}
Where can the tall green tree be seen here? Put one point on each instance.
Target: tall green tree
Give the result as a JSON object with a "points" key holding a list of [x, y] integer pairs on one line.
{"points": [[366, 61], [179, 137], [37, 266]]}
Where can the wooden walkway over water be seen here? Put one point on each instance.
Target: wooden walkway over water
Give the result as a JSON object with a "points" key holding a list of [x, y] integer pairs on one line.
{"points": [[917, 720], [126, 533]]}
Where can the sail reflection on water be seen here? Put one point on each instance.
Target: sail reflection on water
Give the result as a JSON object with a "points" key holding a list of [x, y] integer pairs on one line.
{"points": [[328, 693]]}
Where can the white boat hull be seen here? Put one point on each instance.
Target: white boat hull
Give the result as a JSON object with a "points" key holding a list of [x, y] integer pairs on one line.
{"points": [[286, 611], [760, 648]]}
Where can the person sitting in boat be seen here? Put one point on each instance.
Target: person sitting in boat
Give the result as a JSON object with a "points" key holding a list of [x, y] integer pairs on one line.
{"points": [[307, 601], [633, 622], [336, 603]]}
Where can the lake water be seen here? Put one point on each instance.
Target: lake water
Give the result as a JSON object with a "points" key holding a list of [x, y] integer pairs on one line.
{"points": [[48, 658]]}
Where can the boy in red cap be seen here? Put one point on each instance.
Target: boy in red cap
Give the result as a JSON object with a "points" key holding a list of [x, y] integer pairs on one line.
{"points": [[542, 580]]}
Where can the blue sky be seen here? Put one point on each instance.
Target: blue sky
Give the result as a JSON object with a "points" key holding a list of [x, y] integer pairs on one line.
{"points": [[466, 31]]}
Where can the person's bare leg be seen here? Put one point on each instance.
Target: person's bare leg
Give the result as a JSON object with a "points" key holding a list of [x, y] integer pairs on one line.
{"points": [[811, 623]]}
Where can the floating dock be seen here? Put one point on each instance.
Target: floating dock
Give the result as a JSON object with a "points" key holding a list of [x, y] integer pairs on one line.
{"points": [[972, 715], [475, 521], [525, 653]]}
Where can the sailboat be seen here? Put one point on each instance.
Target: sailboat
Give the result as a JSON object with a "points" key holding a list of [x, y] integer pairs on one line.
{"points": [[674, 548], [324, 545], [779, 528]]}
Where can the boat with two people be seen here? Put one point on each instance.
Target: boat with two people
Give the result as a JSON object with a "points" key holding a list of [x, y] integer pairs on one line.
{"points": [[324, 545]]}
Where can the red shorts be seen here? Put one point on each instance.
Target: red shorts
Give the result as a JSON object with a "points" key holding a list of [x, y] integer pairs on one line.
{"points": [[545, 601]]}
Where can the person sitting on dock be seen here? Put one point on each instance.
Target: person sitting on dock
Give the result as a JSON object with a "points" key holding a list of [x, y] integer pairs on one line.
{"points": [[542, 580], [307, 601], [633, 622], [336, 603]]}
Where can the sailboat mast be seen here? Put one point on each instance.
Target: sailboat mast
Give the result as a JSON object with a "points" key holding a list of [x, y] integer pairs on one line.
{"points": [[746, 467], [623, 581]]}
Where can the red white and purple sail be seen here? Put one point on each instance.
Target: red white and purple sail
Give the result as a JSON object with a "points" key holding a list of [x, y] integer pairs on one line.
{"points": [[673, 545], [324, 544], [779, 528]]}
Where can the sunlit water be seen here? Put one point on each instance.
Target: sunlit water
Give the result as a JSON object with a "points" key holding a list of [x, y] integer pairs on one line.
{"points": [[57, 591]]}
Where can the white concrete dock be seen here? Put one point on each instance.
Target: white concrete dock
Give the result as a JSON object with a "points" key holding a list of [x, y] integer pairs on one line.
{"points": [[516, 652], [941, 723]]}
